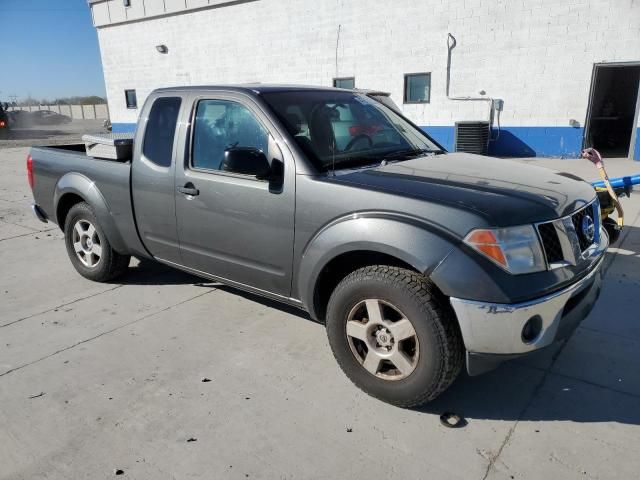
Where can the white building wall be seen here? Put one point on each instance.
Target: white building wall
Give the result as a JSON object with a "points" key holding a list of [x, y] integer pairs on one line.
{"points": [[537, 55]]}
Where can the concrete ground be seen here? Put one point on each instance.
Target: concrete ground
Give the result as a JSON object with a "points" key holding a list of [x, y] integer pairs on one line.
{"points": [[96, 378]]}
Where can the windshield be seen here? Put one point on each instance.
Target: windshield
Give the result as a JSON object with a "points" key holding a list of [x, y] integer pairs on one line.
{"points": [[347, 129]]}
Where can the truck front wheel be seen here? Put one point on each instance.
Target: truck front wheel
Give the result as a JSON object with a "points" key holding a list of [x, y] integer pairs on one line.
{"points": [[392, 335], [88, 248]]}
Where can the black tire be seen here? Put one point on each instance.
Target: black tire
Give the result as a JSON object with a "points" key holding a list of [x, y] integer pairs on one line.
{"points": [[110, 264], [440, 346]]}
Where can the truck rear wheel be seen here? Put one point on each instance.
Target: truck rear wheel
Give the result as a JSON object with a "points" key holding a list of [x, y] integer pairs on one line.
{"points": [[88, 248], [392, 336]]}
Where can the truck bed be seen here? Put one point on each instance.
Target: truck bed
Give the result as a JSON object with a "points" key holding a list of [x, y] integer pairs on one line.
{"points": [[60, 172]]}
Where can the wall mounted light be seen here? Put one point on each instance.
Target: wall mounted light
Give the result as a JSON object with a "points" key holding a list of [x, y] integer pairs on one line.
{"points": [[162, 49], [127, 3]]}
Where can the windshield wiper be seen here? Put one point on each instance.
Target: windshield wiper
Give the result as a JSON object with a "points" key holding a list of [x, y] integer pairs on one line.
{"points": [[409, 153], [359, 161]]}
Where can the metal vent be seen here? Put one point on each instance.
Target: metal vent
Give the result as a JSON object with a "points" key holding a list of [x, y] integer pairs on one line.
{"points": [[472, 137]]}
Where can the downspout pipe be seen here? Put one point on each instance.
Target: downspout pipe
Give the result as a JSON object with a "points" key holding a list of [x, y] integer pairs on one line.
{"points": [[451, 44]]}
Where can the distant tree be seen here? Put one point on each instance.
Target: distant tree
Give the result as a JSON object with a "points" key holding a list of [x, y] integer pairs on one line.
{"points": [[77, 100], [89, 100], [29, 102], [92, 100]]}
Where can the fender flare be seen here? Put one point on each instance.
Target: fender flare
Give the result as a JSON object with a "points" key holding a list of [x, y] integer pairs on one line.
{"points": [[411, 240], [78, 184]]}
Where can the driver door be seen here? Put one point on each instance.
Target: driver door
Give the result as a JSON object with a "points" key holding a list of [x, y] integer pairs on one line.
{"points": [[231, 224]]}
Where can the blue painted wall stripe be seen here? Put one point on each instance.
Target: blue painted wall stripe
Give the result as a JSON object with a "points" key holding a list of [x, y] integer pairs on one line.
{"points": [[563, 142], [443, 135], [123, 127], [522, 141]]}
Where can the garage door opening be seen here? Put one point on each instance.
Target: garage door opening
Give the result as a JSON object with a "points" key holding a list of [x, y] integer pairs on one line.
{"points": [[613, 105]]}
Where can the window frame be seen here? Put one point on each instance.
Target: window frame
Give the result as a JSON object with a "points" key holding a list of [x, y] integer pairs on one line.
{"points": [[405, 97], [338, 79], [135, 98], [192, 130]]}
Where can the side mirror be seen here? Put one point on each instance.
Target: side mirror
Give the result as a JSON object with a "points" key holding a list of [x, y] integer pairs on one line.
{"points": [[246, 161]]}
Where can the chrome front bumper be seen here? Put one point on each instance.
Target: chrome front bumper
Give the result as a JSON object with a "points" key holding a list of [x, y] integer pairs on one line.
{"points": [[497, 329]]}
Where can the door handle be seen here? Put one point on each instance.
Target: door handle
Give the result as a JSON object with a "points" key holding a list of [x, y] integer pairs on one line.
{"points": [[189, 189]]}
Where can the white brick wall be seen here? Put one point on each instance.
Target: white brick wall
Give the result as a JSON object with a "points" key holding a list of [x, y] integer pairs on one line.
{"points": [[537, 55]]}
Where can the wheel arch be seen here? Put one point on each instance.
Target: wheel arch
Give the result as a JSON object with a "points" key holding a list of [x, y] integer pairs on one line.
{"points": [[74, 188], [341, 266], [353, 243], [66, 203]]}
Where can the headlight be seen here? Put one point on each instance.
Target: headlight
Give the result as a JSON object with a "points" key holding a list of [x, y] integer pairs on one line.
{"points": [[515, 249]]}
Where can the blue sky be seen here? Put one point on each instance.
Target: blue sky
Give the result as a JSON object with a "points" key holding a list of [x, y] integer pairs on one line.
{"points": [[49, 49]]}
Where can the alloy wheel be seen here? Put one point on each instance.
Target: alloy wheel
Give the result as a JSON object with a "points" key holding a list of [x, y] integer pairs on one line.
{"points": [[86, 243], [382, 339]]}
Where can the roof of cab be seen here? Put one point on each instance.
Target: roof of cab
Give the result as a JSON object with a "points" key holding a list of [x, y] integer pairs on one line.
{"points": [[252, 88]]}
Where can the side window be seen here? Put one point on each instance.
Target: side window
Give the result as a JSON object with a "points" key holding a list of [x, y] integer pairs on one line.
{"points": [[221, 125], [161, 130]]}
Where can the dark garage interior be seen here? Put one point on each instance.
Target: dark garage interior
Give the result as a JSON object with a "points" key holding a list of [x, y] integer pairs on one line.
{"points": [[613, 104]]}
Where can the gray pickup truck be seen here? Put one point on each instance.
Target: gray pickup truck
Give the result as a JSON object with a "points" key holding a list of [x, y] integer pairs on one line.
{"points": [[415, 259]]}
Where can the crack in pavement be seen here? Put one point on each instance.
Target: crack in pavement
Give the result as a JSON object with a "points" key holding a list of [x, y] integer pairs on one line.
{"points": [[60, 306], [73, 301], [582, 380], [4, 220], [105, 333], [534, 394], [494, 458], [4, 199], [35, 232], [610, 334]]}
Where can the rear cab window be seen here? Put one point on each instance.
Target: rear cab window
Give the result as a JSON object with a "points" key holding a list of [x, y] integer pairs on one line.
{"points": [[161, 130]]}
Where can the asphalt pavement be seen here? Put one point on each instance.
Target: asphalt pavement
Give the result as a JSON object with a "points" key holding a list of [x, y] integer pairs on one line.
{"points": [[165, 375]]}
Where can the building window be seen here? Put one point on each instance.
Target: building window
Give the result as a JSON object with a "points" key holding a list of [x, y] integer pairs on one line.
{"points": [[130, 96], [417, 88], [348, 83]]}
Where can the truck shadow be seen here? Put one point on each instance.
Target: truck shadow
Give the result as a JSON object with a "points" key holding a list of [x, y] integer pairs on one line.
{"points": [[283, 307], [592, 377], [149, 272]]}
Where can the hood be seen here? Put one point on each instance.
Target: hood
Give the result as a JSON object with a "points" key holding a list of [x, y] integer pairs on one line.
{"points": [[504, 192]]}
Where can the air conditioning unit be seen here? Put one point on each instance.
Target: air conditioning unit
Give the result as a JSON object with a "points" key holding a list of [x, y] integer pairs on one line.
{"points": [[472, 137]]}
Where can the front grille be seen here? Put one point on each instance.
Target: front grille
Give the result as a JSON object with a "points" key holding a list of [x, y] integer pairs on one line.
{"points": [[577, 219], [550, 242], [564, 240]]}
